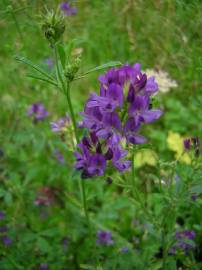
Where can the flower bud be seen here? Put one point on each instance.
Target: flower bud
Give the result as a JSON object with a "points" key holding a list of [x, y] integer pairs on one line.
{"points": [[72, 69], [53, 26]]}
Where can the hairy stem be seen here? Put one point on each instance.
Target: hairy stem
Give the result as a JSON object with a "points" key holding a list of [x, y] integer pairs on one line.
{"points": [[66, 91], [72, 115], [81, 182]]}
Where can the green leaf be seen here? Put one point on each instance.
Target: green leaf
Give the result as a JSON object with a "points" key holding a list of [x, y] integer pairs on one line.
{"points": [[43, 245], [171, 264], [28, 237], [62, 55], [104, 66], [34, 66], [2, 193], [86, 266], [42, 79], [49, 232], [8, 198], [157, 265]]}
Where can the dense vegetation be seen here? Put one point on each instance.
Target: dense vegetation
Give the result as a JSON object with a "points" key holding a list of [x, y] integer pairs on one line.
{"points": [[144, 214]]}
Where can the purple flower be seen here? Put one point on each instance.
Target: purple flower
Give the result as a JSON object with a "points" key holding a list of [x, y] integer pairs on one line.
{"points": [[2, 215], [108, 100], [61, 124], [111, 127], [140, 111], [192, 143], [184, 241], [67, 9], [65, 242], [97, 165], [90, 164], [6, 240], [43, 266], [100, 115], [104, 238], [151, 86], [131, 130], [121, 75], [49, 62], [38, 111], [187, 234], [187, 144], [194, 197], [45, 196], [92, 118], [116, 114], [3, 229], [59, 156], [117, 159], [124, 250]]}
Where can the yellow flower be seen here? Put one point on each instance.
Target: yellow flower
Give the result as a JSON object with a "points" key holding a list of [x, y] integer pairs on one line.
{"points": [[175, 143], [145, 157]]}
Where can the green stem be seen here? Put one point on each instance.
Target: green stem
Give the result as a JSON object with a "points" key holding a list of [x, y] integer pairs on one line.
{"points": [[72, 115], [133, 182], [194, 261], [136, 194], [164, 250], [66, 90], [133, 171], [17, 25], [82, 188], [81, 182]]}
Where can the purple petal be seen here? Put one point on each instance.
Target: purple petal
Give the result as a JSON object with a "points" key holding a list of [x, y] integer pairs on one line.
{"points": [[151, 115], [151, 86], [136, 139]]}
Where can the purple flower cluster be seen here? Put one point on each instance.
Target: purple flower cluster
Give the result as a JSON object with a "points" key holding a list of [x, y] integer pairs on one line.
{"points": [[43, 266], [61, 124], [124, 249], [5, 239], [65, 242], [37, 111], [2, 215], [114, 116], [104, 238], [183, 241], [67, 9], [45, 196], [58, 155]]}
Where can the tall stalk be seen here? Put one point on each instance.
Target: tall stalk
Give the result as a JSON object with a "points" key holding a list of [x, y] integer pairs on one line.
{"points": [[133, 171], [81, 182], [66, 91]]}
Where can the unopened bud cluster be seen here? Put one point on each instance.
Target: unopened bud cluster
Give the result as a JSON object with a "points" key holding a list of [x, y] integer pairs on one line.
{"points": [[53, 26], [72, 69]]}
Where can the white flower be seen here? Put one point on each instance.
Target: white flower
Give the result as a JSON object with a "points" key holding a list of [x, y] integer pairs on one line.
{"points": [[165, 83]]}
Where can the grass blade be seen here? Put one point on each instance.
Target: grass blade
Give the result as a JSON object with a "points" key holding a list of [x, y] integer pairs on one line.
{"points": [[42, 79], [104, 66], [34, 66]]}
